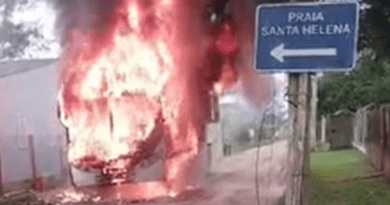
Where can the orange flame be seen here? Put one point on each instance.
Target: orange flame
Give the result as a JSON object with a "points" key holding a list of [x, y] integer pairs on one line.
{"points": [[146, 60]]}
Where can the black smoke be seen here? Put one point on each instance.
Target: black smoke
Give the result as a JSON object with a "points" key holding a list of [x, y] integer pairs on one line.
{"points": [[83, 15]]}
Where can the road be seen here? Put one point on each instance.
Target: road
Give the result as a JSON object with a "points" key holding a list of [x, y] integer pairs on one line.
{"points": [[233, 180]]}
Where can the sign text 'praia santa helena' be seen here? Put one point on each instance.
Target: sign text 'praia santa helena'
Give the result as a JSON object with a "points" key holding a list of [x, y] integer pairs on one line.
{"points": [[306, 37]]}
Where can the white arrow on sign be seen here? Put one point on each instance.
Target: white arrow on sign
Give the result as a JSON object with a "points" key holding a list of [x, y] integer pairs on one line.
{"points": [[280, 53]]}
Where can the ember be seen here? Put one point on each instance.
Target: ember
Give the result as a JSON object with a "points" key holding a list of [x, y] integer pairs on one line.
{"points": [[136, 74]]}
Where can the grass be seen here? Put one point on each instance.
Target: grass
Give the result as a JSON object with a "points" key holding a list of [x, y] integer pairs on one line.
{"points": [[335, 165], [374, 191]]}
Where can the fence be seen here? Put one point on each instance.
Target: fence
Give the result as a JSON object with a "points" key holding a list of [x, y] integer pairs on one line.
{"points": [[371, 132], [360, 132], [39, 163]]}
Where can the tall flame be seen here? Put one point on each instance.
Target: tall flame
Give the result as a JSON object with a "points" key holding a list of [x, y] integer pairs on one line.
{"points": [[136, 71]]}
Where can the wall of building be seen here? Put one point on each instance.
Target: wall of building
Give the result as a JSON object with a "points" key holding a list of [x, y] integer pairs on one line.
{"points": [[28, 106], [339, 130]]}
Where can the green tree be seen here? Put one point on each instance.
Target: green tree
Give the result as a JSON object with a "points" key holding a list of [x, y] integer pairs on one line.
{"points": [[374, 26], [15, 38], [370, 81]]}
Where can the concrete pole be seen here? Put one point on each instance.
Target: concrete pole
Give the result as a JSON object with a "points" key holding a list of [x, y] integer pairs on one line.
{"points": [[306, 110], [313, 112], [323, 129], [300, 92], [300, 96]]}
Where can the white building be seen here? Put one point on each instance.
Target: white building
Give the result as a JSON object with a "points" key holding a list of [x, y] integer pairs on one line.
{"points": [[28, 106]]}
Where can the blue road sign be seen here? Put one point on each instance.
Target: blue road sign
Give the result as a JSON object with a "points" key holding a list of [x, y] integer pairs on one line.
{"points": [[306, 37]]}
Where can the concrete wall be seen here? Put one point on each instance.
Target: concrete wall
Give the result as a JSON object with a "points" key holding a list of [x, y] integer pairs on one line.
{"points": [[360, 129], [374, 141], [339, 130], [29, 98]]}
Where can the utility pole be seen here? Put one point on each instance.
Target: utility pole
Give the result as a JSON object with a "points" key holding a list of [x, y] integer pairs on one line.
{"points": [[299, 97], [300, 92]]}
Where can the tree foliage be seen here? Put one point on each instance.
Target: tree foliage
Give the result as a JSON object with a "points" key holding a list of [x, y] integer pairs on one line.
{"points": [[374, 27], [370, 81], [16, 37]]}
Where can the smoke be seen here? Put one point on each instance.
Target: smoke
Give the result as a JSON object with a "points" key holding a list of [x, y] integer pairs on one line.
{"points": [[84, 16], [239, 117]]}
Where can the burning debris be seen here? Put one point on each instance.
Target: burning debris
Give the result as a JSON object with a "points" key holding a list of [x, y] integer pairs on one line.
{"points": [[71, 196], [136, 75]]}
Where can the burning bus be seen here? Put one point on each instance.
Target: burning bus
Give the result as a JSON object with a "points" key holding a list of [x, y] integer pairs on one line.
{"points": [[139, 81]]}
